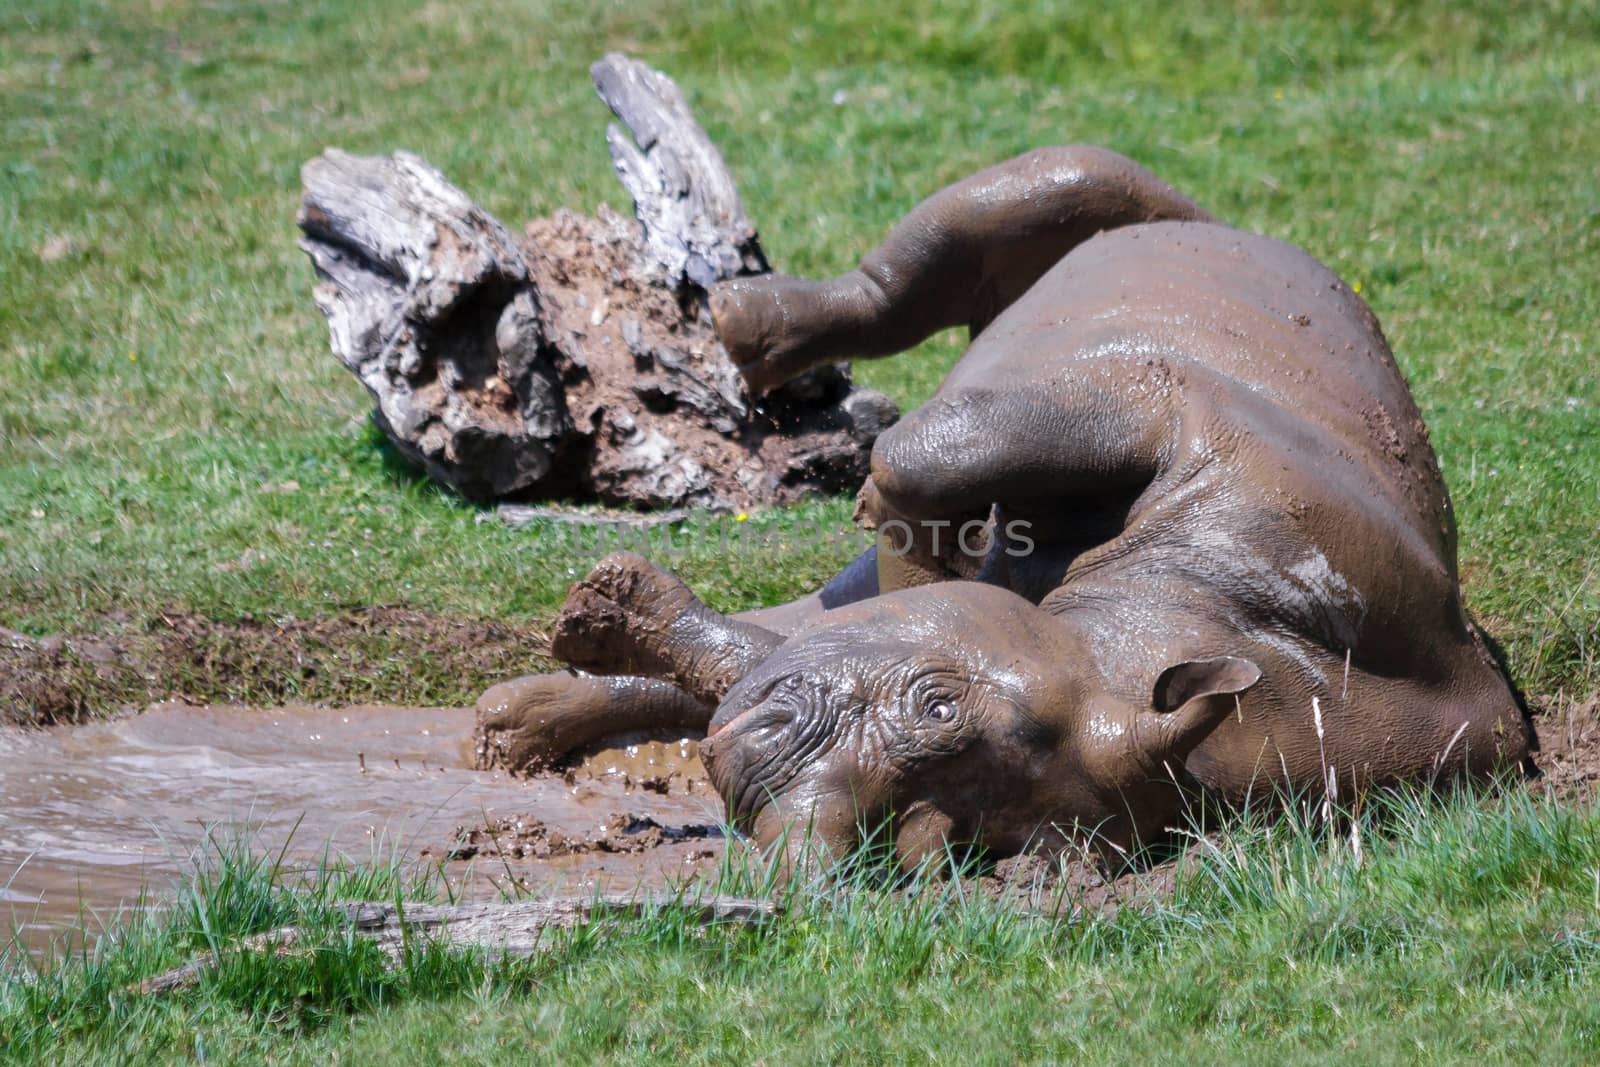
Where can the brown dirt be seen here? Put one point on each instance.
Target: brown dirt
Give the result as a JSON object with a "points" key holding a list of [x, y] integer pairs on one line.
{"points": [[1077, 886], [524, 837], [1569, 749], [655, 782], [657, 414], [96, 811], [386, 653]]}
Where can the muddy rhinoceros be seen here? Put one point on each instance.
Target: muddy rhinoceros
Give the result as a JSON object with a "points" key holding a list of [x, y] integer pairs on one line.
{"points": [[1172, 525]]}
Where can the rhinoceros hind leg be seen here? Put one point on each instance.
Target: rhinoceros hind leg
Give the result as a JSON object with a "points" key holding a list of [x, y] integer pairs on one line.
{"points": [[958, 259]]}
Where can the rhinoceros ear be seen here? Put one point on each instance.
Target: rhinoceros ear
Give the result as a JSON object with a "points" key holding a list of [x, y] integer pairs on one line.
{"points": [[1190, 699], [1196, 678]]}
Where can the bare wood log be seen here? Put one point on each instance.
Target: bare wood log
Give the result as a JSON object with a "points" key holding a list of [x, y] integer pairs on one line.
{"points": [[407, 221], [694, 223], [283, 941], [519, 928], [514, 928], [429, 303]]}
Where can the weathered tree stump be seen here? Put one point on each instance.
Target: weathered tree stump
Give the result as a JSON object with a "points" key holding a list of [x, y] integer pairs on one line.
{"points": [[579, 360]]}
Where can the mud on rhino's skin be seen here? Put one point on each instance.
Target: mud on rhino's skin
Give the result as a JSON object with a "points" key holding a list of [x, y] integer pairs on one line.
{"points": [[1240, 560]]}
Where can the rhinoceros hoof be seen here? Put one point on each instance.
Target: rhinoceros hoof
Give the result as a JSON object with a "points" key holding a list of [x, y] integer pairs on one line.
{"points": [[616, 619]]}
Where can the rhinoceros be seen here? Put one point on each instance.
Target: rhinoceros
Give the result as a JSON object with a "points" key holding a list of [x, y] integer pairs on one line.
{"points": [[1172, 526]]}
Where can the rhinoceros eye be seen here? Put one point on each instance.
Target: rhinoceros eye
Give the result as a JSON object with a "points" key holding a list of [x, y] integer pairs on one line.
{"points": [[935, 700]]}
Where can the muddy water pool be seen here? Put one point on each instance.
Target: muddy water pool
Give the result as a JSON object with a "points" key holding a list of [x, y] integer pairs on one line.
{"points": [[91, 817]]}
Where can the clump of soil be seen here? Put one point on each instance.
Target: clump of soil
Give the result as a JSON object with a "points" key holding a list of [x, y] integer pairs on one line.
{"points": [[657, 415], [379, 654], [524, 837], [1569, 749]]}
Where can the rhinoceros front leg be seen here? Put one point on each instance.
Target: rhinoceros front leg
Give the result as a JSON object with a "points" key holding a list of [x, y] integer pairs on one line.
{"points": [[958, 259], [657, 658], [532, 723], [628, 619]]}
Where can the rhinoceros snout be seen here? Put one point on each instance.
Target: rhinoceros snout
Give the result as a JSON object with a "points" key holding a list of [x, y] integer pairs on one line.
{"points": [[729, 764], [765, 757], [734, 751]]}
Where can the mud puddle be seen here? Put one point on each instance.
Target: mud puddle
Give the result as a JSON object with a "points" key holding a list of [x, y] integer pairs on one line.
{"points": [[90, 816]]}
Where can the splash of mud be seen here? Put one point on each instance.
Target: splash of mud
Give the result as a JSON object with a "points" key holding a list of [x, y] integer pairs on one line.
{"points": [[96, 814]]}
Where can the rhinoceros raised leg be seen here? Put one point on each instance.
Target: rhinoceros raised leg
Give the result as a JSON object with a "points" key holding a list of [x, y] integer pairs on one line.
{"points": [[629, 617], [658, 659], [958, 259]]}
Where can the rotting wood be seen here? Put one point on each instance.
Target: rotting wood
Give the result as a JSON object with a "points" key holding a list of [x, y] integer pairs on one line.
{"points": [[429, 304], [284, 941], [577, 360], [518, 516], [518, 928], [694, 224], [515, 928]]}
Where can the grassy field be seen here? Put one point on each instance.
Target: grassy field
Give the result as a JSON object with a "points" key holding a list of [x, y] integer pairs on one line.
{"points": [[1465, 932], [177, 443], [168, 371]]}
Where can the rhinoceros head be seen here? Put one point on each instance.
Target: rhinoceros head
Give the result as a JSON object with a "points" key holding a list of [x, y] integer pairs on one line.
{"points": [[956, 713]]}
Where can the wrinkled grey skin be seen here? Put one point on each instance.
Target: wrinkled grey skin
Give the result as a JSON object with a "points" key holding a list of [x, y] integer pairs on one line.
{"points": [[1240, 572]]}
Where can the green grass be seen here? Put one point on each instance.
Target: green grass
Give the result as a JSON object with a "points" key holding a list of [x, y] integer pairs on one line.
{"points": [[170, 364], [165, 368], [1461, 930]]}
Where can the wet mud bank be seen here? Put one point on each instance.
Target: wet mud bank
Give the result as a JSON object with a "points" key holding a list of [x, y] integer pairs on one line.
{"points": [[373, 654], [97, 815]]}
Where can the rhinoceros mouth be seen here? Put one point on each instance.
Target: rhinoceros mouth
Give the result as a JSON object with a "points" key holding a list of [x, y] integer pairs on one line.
{"points": [[745, 767], [758, 754]]}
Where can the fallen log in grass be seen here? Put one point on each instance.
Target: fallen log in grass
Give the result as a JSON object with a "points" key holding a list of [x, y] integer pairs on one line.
{"points": [[515, 928]]}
